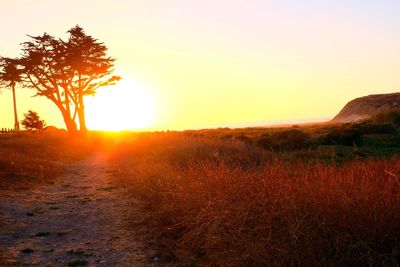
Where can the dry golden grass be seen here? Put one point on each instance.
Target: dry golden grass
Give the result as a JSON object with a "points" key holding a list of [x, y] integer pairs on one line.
{"points": [[225, 203], [29, 158]]}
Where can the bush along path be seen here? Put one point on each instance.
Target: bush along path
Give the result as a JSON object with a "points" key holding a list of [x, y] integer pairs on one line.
{"points": [[83, 219]]}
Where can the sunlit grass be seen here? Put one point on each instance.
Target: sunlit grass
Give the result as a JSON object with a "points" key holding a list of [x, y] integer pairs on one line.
{"points": [[28, 158], [228, 203]]}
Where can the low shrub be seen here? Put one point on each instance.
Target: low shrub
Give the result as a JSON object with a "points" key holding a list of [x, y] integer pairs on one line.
{"points": [[286, 140], [372, 128], [342, 136], [387, 117]]}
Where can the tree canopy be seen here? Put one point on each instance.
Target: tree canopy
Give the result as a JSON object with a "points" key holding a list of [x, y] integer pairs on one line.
{"points": [[10, 75], [65, 71]]}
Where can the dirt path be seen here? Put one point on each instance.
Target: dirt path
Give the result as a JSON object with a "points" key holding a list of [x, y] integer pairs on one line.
{"points": [[80, 220]]}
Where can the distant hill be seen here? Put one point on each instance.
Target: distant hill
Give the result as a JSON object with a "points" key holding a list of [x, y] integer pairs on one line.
{"points": [[367, 106]]}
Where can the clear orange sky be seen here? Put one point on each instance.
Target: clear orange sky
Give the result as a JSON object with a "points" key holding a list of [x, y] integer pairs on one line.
{"points": [[207, 63]]}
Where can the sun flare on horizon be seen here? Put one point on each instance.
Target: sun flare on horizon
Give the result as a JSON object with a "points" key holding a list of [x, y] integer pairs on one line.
{"points": [[124, 106]]}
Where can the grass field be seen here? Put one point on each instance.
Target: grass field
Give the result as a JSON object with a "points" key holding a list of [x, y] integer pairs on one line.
{"points": [[227, 201], [318, 195], [29, 158]]}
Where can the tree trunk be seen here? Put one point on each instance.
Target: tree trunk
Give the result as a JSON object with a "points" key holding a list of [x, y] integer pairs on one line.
{"points": [[81, 115], [16, 122], [69, 122]]}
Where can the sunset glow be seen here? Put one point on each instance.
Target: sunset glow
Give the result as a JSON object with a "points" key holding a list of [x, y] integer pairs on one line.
{"points": [[219, 63], [125, 106]]}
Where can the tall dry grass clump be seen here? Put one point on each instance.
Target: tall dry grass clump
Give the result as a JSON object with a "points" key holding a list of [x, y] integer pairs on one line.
{"points": [[231, 204]]}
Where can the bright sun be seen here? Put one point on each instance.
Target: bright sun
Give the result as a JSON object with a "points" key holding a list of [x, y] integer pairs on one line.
{"points": [[125, 106]]}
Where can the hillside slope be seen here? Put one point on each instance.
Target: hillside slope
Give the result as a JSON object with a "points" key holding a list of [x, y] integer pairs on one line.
{"points": [[367, 106]]}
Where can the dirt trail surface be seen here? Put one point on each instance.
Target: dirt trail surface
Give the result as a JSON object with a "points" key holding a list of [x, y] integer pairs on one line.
{"points": [[82, 219]]}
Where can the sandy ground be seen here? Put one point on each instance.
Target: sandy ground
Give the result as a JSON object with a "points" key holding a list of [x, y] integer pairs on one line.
{"points": [[82, 219]]}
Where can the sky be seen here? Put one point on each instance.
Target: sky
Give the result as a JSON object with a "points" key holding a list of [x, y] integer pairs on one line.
{"points": [[193, 64]]}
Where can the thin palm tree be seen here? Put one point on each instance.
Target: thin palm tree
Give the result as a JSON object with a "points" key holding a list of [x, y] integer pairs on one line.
{"points": [[10, 76]]}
